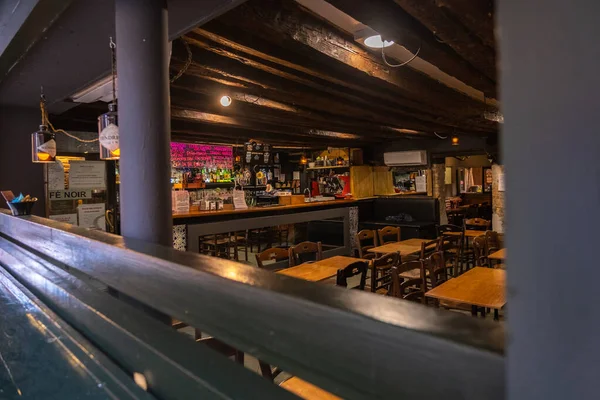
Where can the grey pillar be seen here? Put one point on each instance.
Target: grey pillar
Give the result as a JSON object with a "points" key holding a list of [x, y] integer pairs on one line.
{"points": [[144, 120], [550, 63]]}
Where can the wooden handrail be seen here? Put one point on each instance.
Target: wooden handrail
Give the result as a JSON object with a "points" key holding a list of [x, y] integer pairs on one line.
{"points": [[356, 345]]}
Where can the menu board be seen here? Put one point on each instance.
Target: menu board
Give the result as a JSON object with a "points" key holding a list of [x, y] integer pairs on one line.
{"points": [[257, 154], [190, 155], [92, 216], [87, 174], [180, 201]]}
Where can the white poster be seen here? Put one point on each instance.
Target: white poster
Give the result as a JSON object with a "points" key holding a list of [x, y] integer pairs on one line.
{"points": [[92, 216], [421, 183], [180, 201], [501, 183], [67, 218], [87, 174], [56, 176], [239, 200]]}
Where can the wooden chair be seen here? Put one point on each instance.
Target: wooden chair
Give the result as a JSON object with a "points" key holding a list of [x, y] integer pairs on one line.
{"points": [[437, 272], [361, 237], [479, 252], [441, 229], [427, 248], [389, 234], [305, 251], [492, 242], [478, 224], [408, 289], [239, 241], [454, 252], [215, 245], [380, 278], [354, 269], [273, 254]]}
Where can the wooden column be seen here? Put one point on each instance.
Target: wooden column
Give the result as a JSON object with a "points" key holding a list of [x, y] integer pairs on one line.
{"points": [[144, 120]]}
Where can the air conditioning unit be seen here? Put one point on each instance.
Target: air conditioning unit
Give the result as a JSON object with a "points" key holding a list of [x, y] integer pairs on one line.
{"points": [[405, 158]]}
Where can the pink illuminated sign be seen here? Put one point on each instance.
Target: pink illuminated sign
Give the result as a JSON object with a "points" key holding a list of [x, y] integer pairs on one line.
{"points": [[189, 155]]}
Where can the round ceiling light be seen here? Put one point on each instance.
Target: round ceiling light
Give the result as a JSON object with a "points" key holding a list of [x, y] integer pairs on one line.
{"points": [[376, 42], [225, 101]]}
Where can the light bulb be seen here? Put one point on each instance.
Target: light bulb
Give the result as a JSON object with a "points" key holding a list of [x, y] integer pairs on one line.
{"points": [[225, 101], [376, 42], [454, 140]]}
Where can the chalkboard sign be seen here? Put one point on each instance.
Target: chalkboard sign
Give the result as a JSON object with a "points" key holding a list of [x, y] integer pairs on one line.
{"points": [[257, 154]]}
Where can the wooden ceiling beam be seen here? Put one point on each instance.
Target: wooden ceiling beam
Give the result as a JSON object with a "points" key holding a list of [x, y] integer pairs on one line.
{"points": [[213, 82], [476, 16], [286, 24], [257, 109], [241, 122], [395, 24], [240, 134], [268, 77], [453, 34]]}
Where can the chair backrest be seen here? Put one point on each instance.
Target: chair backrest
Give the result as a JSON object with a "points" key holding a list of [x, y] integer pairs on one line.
{"points": [[437, 271], [477, 224], [389, 234], [479, 250], [305, 251], [380, 277], [429, 247], [369, 236], [354, 269], [441, 229], [408, 289], [272, 254], [492, 242]]}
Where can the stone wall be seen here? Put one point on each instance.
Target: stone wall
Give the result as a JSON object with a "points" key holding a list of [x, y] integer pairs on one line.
{"points": [[438, 174], [497, 199]]}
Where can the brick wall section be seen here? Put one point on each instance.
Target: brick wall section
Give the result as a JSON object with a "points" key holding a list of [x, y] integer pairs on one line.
{"points": [[438, 173], [497, 200]]}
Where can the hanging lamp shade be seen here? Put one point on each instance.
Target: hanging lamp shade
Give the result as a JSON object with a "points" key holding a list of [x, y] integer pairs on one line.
{"points": [[43, 146], [108, 134]]}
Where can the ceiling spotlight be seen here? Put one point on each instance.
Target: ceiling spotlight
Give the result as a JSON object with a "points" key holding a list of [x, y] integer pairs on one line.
{"points": [[376, 42], [225, 101], [371, 38], [455, 141]]}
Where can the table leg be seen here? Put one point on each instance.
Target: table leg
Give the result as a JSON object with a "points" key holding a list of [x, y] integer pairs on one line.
{"points": [[474, 311], [496, 317]]}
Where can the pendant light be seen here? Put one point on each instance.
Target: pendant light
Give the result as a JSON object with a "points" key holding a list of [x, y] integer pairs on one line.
{"points": [[43, 142], [108, 127]]}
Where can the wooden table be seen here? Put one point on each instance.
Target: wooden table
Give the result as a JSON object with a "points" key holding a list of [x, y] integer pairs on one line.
{"points": [[319, 270], [306, 390], [499, 255], [480, 287], [468, 233], [405, 247]]}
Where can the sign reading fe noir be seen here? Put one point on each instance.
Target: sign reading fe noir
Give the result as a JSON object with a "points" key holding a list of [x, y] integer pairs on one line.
{"points": [[75, 194]]}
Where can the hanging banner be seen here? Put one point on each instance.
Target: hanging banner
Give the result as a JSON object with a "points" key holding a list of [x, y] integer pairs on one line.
{"points": [[87, 174]]}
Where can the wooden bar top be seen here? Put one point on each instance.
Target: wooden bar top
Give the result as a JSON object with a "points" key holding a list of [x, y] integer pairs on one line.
{"points": [[251, 210], [319, 270], [483, 287]]}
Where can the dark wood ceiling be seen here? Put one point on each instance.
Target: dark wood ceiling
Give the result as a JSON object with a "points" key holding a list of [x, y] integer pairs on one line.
{"points": [[297, 80]]}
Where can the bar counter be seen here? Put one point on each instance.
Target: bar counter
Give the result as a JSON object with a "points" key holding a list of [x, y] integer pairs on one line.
{"points": [[188, 227]]}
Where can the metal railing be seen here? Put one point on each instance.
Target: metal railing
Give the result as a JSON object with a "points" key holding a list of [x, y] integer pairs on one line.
{"points": [[356, 345]]}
